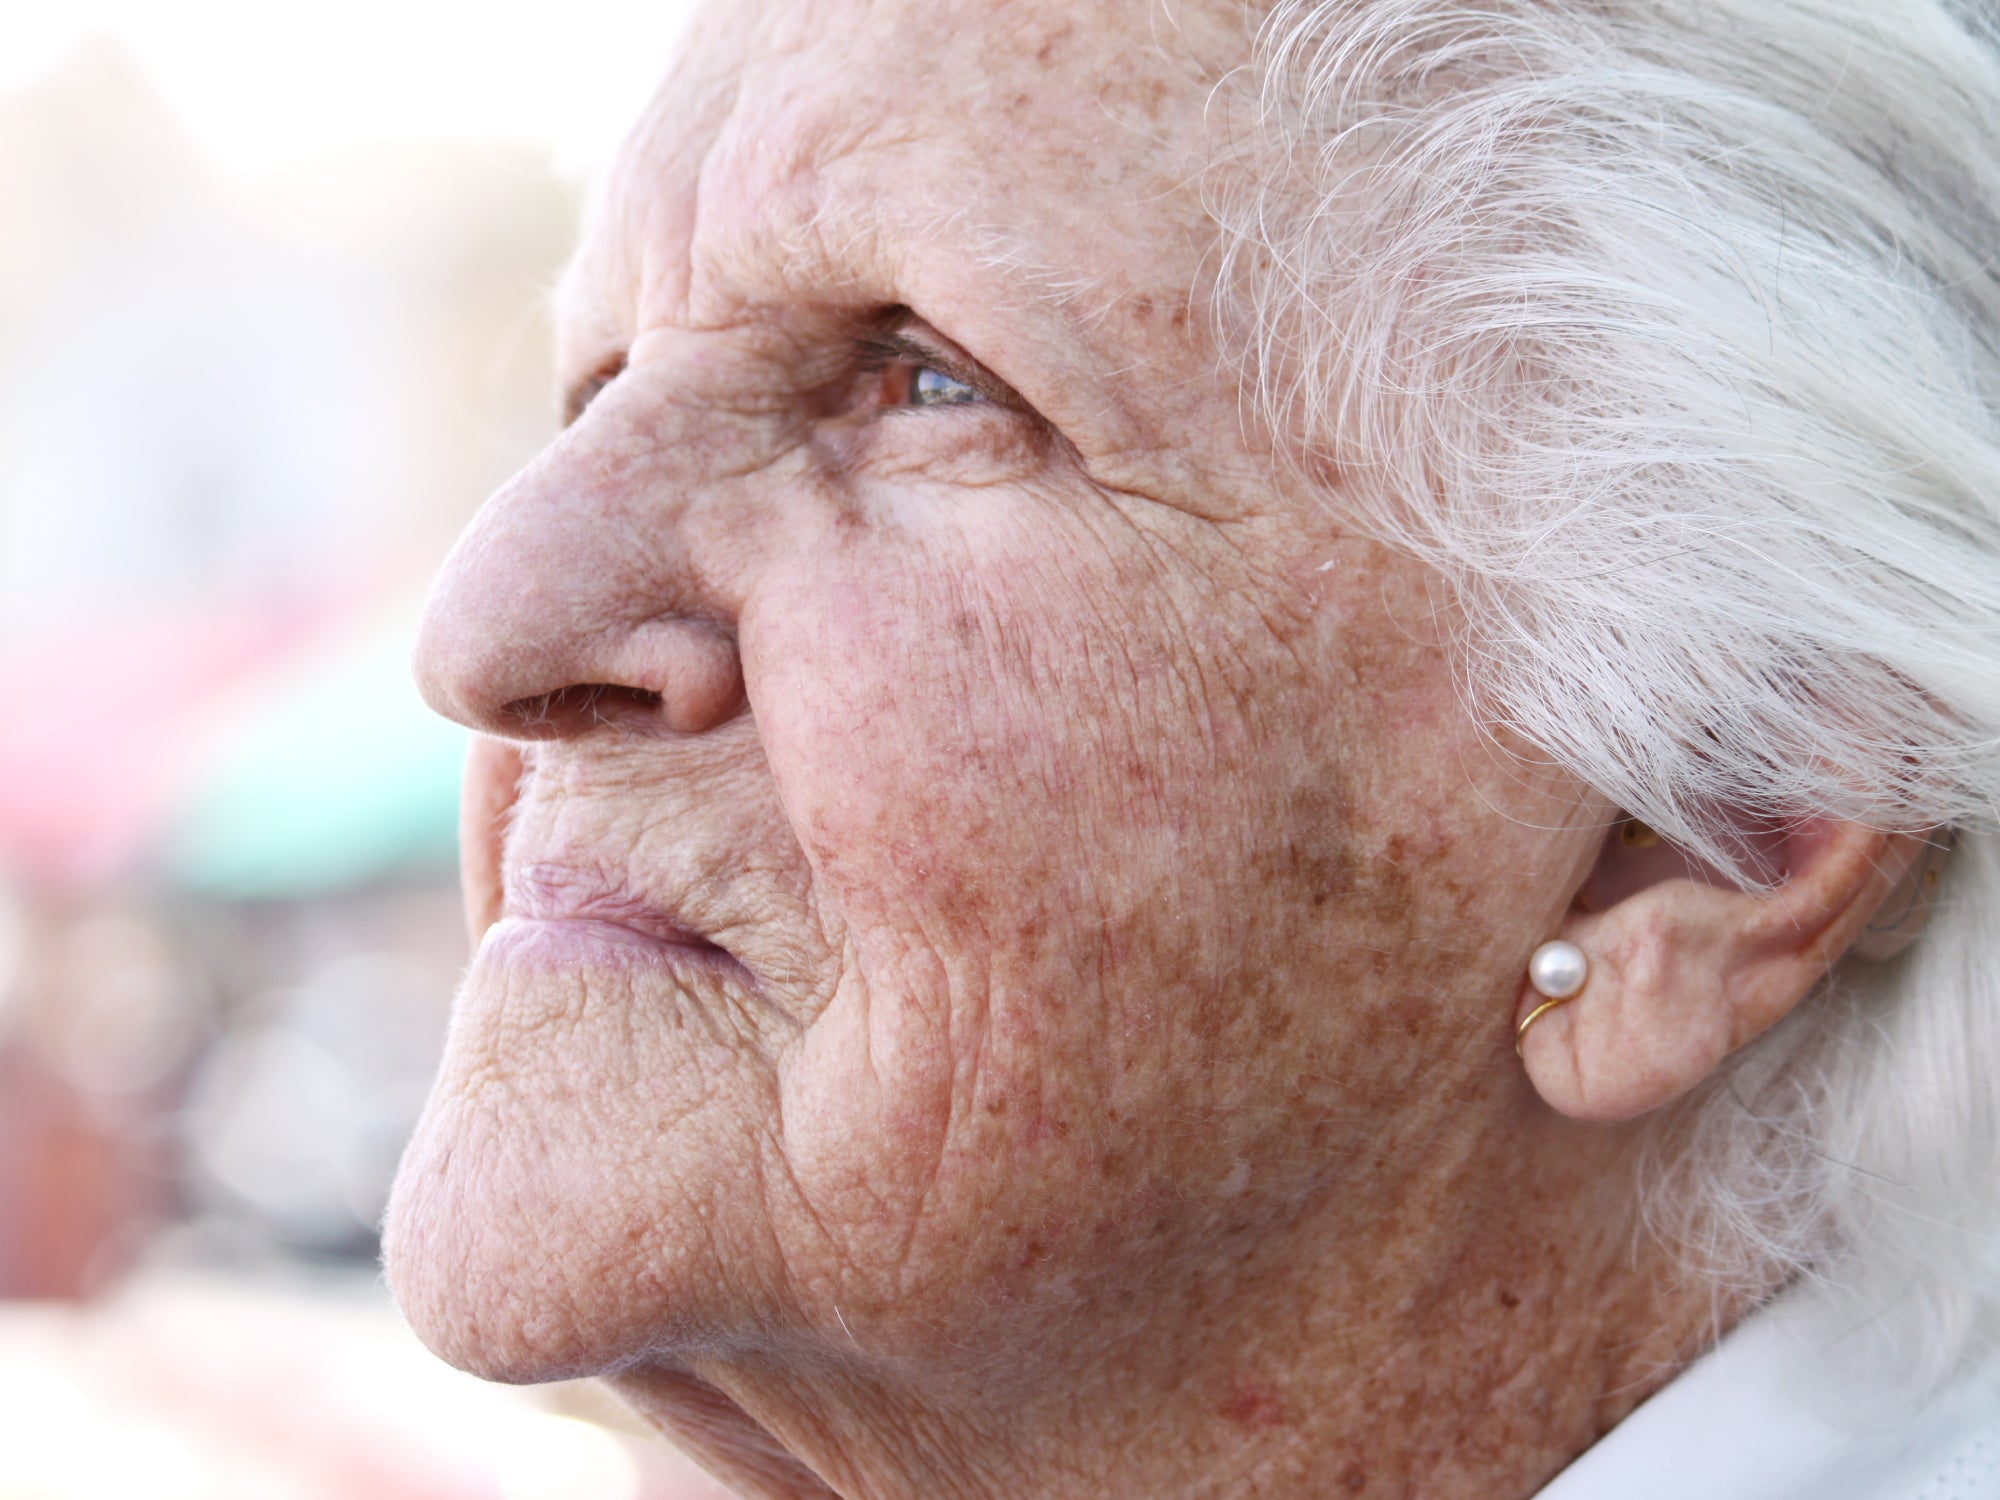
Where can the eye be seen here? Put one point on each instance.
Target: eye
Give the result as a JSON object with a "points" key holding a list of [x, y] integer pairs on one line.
{"points": [[586, 390], [929, 386], [912, 371]]}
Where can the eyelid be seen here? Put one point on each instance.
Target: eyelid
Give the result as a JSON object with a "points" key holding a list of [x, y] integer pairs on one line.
{"points": [[879, 350]]}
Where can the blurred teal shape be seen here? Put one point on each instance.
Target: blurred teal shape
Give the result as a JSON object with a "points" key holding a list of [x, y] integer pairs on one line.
{"points": [[335, 777]]}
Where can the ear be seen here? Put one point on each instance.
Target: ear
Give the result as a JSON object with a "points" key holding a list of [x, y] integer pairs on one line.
{"points": [[491, 786], [1685, 967]]}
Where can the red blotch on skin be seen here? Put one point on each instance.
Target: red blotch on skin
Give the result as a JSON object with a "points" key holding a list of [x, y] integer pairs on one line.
{"points": [[1254, 1404]]}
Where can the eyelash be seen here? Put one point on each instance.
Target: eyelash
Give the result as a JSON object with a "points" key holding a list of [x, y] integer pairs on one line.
{"points": [[877, 356], [590, 389]]}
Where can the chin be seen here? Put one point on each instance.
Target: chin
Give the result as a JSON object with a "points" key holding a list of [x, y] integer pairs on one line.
{"points": [[529, 1237]]}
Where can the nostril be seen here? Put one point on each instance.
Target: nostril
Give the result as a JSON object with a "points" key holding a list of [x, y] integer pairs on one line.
{"points": [[672, 677], [580, 708]]}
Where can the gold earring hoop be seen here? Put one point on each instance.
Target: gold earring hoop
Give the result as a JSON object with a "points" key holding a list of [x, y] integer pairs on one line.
{"points": [[1521, 1031], [1558, 971]]}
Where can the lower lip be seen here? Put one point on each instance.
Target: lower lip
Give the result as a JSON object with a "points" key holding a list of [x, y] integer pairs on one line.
{"points": [[590, 942]]}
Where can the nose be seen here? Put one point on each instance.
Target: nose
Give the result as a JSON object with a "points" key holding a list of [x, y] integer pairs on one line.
{"points": [[578, 599]]}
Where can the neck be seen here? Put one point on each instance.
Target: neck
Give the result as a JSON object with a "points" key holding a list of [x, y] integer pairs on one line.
{"points": [[1462, 1329]]}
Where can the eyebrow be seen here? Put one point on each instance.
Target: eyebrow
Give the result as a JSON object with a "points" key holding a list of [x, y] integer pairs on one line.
{"points": [[879, 342]]}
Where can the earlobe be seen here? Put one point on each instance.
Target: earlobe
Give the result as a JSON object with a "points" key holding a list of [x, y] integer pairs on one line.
{"points": [[1684, 969]]}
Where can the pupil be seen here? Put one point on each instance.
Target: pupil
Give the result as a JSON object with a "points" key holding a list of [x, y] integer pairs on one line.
{"points": [[935, 388]]}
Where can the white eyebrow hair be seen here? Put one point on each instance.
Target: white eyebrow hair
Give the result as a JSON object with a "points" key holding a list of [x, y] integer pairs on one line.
{"points": [[1016, 265], [838, 234]]}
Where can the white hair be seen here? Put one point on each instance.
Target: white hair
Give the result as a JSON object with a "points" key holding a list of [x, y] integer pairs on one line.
{"points": [[1668, 331]]}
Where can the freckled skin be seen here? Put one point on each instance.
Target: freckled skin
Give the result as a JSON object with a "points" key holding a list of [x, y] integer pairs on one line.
{"points": [[1114, 1091]]}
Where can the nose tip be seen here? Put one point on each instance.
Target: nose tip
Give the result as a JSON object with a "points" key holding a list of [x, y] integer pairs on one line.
{"points": [[505, 672], [576, 603], [677, 675]]}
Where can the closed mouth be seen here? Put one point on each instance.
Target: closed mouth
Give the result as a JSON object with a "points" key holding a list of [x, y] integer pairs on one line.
{"points": [[575, 907]]}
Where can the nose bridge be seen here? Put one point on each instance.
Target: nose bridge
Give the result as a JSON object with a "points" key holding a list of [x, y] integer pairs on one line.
{"points": [[583, 594]]}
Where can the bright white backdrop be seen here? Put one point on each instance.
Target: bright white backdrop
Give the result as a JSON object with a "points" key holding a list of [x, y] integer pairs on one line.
{"points": [[261, 83]]}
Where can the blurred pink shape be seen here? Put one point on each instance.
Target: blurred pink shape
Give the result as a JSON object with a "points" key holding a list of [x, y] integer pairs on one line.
{"points": [[287, 1395], [106, 721]]}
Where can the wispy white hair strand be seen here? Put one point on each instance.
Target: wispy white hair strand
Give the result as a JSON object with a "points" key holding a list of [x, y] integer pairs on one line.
{"points": [[1668, 332]]}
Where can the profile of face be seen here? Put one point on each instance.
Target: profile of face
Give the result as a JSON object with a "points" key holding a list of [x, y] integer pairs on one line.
{"points": [[970, 862]]}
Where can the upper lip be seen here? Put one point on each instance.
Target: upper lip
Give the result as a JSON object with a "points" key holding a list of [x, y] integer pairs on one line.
{"points": [[568, 893]]}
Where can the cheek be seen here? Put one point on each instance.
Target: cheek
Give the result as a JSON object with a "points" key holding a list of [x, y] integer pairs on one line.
{"points": [[983, 768], [1140, 903], [1068, 847], [959, 745], [877, 698]]}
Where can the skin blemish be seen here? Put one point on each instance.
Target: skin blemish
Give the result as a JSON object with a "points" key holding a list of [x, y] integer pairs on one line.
{"points": [[1254, 1405]]}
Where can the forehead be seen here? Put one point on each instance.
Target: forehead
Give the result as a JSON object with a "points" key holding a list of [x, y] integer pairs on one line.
{"points": [[830, 152]]}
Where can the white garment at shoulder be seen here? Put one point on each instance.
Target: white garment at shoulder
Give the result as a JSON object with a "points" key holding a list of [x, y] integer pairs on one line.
{"points": [[1743, 1423]]}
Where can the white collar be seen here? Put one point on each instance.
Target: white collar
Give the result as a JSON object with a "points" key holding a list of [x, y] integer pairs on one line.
{"points": [[1749, 1421]]}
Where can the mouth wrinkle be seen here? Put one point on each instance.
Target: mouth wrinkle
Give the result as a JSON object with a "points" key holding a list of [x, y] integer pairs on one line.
{"points": [[547, 891]]}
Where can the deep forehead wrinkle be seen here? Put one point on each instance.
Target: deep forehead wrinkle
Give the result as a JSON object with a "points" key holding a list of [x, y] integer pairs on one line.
{"points": [[765, 219], [770, 179]]}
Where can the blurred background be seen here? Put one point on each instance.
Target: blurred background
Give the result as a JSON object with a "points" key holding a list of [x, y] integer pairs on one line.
{"points": [[272, 323]]}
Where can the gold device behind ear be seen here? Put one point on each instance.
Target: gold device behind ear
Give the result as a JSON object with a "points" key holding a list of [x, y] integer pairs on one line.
{"points": [[1634, 834], [1906, 909]]}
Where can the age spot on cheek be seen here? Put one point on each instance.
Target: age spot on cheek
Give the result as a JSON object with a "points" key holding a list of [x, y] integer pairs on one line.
{"points": [[1255, 1405]]}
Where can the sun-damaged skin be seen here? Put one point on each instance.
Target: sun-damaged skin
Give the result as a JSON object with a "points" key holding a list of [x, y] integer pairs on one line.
{"points": [[1000, 939]]}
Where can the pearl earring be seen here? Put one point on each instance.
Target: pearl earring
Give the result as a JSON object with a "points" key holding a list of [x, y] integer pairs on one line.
{"points": [[1558, 971]]}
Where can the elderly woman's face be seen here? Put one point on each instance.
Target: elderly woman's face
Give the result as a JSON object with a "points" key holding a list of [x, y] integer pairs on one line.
{"points": [[988, 854]]}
